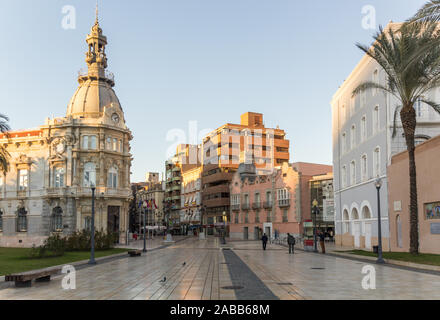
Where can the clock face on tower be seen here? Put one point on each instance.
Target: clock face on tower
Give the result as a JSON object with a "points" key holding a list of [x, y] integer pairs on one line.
{"points": [[115, 117]]}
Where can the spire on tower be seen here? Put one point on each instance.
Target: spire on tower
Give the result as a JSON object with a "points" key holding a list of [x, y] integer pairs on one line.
{"points": [[97, 20]]}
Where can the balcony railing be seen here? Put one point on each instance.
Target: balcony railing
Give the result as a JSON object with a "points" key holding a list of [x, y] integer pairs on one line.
{"points": [[256, 205], [245, 206], [267, 204], [235, 207], [284, 203]]}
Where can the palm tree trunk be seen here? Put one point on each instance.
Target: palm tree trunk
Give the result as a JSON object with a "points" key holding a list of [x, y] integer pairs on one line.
{"points": [[409, 122]]}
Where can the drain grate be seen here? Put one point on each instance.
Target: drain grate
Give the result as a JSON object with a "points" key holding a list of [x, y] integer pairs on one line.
{"points": [[317, 268], [284, 283], [232, 287]]}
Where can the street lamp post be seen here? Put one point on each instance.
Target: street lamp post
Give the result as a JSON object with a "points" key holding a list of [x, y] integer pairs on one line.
{"points": [[315, 212], [144, 205], [378, 185], [92, 227]]}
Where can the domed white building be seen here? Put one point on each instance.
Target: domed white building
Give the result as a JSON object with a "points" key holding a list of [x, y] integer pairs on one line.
{"points": [[53, 167]]}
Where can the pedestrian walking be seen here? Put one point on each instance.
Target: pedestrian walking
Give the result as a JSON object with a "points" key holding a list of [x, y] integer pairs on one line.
{"points": [[291, 242], [322, 241], [264, 239]]}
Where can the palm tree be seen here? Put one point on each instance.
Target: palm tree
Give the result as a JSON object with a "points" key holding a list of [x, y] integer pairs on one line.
{"points": [[4, 154], [410, 75]]}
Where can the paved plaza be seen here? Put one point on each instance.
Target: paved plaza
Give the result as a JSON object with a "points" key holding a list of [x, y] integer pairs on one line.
{"points": [[204, 270]]}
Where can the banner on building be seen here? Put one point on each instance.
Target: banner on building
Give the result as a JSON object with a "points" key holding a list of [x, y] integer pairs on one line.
{"points": [[328, 214]]}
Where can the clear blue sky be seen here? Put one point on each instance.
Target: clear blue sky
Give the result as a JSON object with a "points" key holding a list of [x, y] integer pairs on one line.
{"points": [[181, 60]]}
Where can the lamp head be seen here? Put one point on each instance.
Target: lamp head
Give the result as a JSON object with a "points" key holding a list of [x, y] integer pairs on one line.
{"points": [[378, 183]]}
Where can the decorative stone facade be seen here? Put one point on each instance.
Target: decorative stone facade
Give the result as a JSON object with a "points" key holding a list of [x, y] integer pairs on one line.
{"points": [[48, 187]]}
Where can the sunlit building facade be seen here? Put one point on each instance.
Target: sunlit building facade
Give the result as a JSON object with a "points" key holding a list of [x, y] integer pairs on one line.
{"points": [[363, 144], [53, 167]]}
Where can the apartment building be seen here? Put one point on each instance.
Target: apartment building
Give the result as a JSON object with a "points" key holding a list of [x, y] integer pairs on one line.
{"points": [[186, 158], [225, 148], [191, 199], [264, 203]]}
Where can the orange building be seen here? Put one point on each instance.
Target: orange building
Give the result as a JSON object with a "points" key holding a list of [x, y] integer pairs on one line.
{"points": [[428, 183], [228, 146]]}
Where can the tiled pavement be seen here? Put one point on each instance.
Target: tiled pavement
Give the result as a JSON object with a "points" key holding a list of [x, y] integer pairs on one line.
{"points": [[207, 271]]}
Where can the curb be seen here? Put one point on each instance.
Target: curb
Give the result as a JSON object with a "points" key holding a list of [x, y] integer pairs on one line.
{"points": [[425, 267]]}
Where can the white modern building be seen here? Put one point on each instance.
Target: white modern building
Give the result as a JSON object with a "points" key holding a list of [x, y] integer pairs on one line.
{"points": [[363, 144]]}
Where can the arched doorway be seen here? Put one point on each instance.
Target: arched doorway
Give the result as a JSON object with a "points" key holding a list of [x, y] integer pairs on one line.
{"points": [[346, 222], [366, 215], [356, 227]]}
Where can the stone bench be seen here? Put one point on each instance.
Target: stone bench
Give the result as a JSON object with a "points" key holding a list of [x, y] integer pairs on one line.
{"points": [[24, 279], [135, 253]]}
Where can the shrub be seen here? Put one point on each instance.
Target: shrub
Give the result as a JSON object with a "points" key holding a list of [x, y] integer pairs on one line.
{"points": [[55, 245]]}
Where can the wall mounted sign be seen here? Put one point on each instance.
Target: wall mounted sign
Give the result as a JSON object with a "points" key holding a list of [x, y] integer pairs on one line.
{"points": [[432, 210], [435, 228]]}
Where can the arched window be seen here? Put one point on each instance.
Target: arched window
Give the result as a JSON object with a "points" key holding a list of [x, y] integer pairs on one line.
{"points": [[353, 137], [344, 177], [89, 174], [57, 219], [1, 220], [376, 120], [352, 173], [344, 142], [354, 214], [366, 214], [59, 173], [375, 80], [21, 220], [112, 179], [364, 128], [364, 168], [376, 160]]}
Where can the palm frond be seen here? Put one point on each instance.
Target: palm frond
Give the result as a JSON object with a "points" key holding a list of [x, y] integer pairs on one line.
{"points": [[396, 113], [429, 12], [432, 104], [4, 160], [370, 85], [4, 126]]}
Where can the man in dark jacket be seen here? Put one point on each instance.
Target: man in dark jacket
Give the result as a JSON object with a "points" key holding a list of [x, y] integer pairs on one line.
{"points": [[291, 243], [264, 239]]}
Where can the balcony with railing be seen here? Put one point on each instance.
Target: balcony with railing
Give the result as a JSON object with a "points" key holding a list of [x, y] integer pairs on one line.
{"points": [[245, 206], [267, 204], [235, 207], [256, 205], [282, 203]]}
